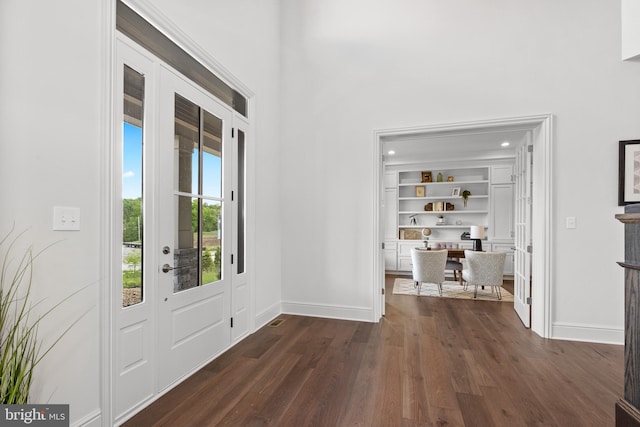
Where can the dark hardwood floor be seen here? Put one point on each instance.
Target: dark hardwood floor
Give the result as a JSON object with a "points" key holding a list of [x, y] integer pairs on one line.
{"points": [[429, 362]]}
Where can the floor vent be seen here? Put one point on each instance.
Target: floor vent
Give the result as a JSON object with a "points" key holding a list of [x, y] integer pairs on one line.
{"points": [[276, 323]]}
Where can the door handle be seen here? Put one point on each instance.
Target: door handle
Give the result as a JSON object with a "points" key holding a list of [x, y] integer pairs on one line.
{"points": [[167, 268]]}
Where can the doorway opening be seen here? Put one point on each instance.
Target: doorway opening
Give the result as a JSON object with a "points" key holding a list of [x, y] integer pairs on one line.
{"points": [[539, 131]]}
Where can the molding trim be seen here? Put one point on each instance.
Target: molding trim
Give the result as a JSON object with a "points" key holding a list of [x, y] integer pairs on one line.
{"points": [[108, 22], [360, 314], [587, 333], [151, 13], [93, 419]]}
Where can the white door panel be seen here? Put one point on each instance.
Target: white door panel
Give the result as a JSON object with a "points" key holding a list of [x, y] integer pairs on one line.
{"points": [[193, 307], [522, 256]]}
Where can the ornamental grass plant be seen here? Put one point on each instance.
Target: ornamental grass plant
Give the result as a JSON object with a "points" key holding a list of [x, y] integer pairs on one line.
{"points": [[20, 348]]}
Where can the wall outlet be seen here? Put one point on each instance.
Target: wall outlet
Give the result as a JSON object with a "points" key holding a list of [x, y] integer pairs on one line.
{"points": [[66, 218]]}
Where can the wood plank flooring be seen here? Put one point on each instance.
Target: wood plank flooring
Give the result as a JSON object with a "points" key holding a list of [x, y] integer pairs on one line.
{"points": [[430, 362]]}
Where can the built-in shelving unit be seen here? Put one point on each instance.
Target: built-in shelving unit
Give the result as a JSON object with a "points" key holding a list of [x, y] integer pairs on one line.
{"points": [[490, 205], [423, 202]]}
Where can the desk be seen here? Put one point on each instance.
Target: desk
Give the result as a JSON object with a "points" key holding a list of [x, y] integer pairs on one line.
{"points": [[453, 253]]}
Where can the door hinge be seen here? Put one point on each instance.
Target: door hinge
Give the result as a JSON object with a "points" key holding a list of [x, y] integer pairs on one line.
{"points": [[382, 245], [231, 259], [233, 132], [232, 195], [529, 300], [232, 322], [530, 249], [382, 291], [530, 148]]}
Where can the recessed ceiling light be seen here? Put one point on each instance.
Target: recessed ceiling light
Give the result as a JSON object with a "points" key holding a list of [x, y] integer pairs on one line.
{"points": [[391, 152], [505, 144]]}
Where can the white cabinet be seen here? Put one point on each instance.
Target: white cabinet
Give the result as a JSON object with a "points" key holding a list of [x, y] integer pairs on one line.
{"points": [[501, 218], [390, 256], [390, 179], [502, 174], [421, 203], [390, 213], [508, 261]]}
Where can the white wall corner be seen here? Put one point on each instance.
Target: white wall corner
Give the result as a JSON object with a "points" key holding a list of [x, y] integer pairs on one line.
{"points": [[267, 315]]}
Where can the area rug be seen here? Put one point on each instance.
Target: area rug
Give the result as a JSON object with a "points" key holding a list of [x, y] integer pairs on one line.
{"points": [[449, 290]]}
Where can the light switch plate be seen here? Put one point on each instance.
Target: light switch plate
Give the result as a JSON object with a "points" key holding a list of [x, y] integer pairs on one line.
{"points": [[66, 218], [571, 222]]}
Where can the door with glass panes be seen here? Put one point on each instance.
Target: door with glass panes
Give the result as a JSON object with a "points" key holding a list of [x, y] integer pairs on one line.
{"points": [[194, 220]]}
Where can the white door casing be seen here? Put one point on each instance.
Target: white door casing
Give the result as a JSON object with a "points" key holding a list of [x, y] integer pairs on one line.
{"points": [[540, 127]]}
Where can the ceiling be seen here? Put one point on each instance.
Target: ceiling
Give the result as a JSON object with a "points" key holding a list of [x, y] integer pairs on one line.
{"points": [[470, 144]]}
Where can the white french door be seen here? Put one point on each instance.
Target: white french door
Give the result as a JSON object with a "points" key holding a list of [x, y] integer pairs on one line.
{"points": [[179, 216], [522, 256], [194, 222]]}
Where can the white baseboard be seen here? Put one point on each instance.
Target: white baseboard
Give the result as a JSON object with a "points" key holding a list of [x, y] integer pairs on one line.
{"points": [[587, 333], [266, 316], [362, 314], [94, 419]]}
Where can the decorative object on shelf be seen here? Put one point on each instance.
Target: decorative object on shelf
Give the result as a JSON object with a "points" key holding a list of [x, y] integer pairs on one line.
{"points": [[413, 234], [450, 178], [449, 206], [477, 234], [441, 220], [438, 206], [439, 178], [428, 207], [426, 232], [629, 172], [465, 197], [412, 220], [455, 192], [426, 176], [419, 191]]}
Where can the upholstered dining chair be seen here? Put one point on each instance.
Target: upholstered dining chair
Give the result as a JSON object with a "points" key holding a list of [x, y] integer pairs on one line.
{"points": [[428, 267], [453, 264], [484, 269]]}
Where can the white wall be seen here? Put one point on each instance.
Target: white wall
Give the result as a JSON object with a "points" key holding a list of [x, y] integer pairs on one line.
{"points": [[51, 77], [354, 66], [49, 146]]}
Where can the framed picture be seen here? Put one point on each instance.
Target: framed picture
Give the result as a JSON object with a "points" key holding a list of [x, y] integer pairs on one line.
{"points": [[426, 176], [629, 172], [419, 191], [455, 192]]}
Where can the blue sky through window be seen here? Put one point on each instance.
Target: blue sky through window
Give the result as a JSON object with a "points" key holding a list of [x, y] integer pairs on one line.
{"points": [[132, 167], [132, 162]]}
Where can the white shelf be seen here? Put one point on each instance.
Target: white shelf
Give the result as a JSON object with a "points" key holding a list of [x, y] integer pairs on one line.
{"points": [[441, 212], [453, 183], [433, 227], [436, 198]]}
